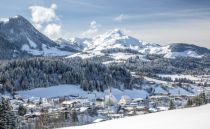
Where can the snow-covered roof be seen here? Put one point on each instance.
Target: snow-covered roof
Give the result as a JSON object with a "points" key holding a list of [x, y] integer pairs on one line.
{"points": [[98, 120], [69, 102]]}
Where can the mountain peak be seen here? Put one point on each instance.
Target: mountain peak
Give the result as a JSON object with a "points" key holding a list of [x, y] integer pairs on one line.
{"points": [[19, 17], [115, 33], [15, 18]]}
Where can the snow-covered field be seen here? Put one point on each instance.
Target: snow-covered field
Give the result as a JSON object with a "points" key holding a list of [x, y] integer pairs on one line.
{"points": [[189, 118], [155, 80], [63, 90], [196, 78], [122, 56]]}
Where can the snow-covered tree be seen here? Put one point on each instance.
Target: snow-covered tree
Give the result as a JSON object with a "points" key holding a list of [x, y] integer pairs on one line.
{"points": [[8, 119]]}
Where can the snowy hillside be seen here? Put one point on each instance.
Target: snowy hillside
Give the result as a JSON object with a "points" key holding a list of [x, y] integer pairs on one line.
{"points": [[190, 118]]}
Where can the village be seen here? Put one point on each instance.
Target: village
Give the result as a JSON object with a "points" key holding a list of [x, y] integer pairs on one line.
{"points": [[74, 110]]}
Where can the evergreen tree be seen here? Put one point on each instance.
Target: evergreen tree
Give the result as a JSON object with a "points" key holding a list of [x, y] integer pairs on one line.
{"points": [[172, 105], [22, 110], [8, 119], [42, 121], [200, 99], [74, 117], [203, 98], [189, 102], [197, 101]]}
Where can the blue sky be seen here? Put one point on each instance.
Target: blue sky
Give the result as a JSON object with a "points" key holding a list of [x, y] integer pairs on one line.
{"points": [[161, 21]]}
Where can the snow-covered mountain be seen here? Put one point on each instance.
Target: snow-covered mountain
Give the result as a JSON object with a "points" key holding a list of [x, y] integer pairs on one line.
{"points": [[116, 41], [115, 44], [178, 50], [19, 38], [76, 43]]}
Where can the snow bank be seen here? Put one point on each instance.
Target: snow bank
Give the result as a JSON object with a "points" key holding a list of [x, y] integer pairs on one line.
{"points": [[190, 118]]}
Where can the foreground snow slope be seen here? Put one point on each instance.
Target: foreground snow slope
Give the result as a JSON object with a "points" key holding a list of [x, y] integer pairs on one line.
{"points": [[189, 118]]}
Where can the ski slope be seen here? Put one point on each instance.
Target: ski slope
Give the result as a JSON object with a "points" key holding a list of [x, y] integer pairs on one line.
{"points": [[189, 118]]}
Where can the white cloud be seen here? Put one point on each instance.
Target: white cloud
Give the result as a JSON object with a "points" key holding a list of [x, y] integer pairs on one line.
{"points": [[45, 20], [93, 29], [120, 18], [52, 30], [42, 14]]}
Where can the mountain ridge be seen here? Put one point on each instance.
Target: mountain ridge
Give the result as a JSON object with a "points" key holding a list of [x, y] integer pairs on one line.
{"points": [[116, 39], [19, 38]]}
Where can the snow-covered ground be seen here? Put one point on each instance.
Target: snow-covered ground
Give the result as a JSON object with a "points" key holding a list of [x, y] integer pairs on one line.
{"points": [[51, 51], [155, 80], [195, 78], [67, 89], [189, 118], [122, 56], [63, 90]]}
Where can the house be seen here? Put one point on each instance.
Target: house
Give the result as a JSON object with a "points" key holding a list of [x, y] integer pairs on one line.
{"points": [[16, 103], [129, 108], [151, 82], [33, 100], [141, 108], [99, 102], [152, 110], [124, 100], [115, 116], [179, 101], [158, 98], [162, 108], [70, 103], [131, 113], [140, 101], [18, 97], [84, 109]]}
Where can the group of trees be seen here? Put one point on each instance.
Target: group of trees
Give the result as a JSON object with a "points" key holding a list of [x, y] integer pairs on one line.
{"points": [[8, 119], [117, 50], [160, 65], [32, 73], [199, 100], [172, 106]]}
